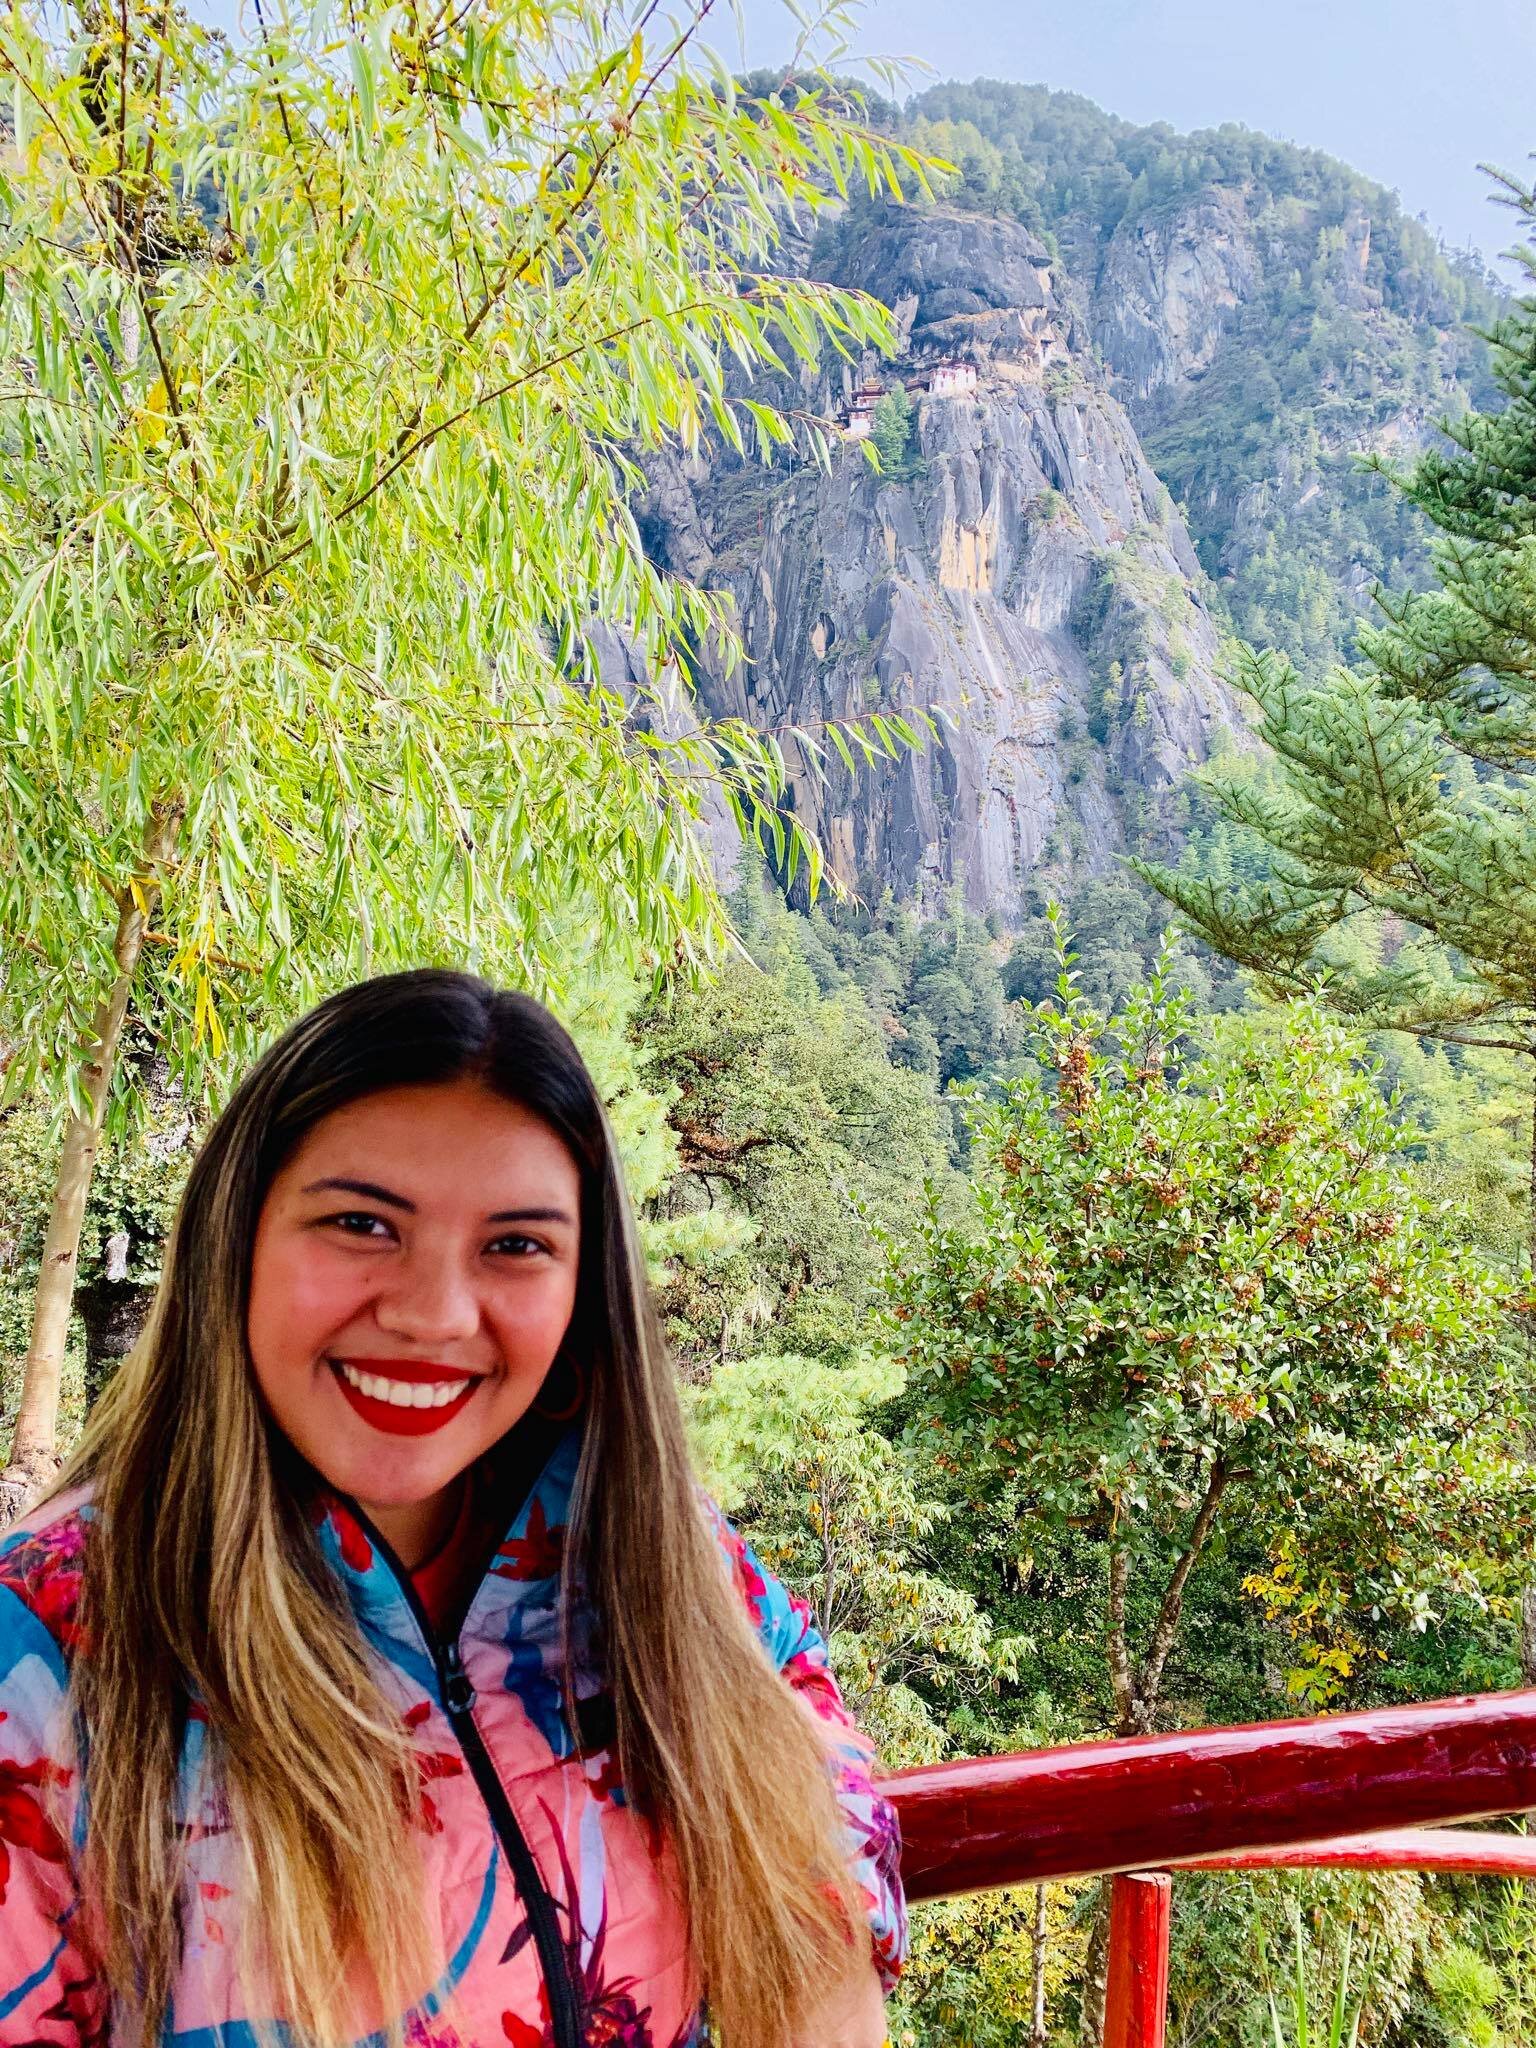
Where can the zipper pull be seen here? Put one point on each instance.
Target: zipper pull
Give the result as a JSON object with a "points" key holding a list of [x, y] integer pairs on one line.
{"points": [[458, 1693]]}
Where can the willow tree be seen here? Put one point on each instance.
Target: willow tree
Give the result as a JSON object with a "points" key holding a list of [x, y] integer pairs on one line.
{"points": [[325, 364], [1402, 790]]}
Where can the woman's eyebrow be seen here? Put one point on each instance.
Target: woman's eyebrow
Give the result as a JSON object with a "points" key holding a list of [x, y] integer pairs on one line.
{"points": [[369, 1188], [374, 1193]]}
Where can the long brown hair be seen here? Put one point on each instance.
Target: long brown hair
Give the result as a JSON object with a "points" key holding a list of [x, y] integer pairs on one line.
{"points": [[205, 1576]]}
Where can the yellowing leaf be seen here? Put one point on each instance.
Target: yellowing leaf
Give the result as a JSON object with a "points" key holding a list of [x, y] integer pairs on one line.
{"points": [[205, 1017], [153, 420]]}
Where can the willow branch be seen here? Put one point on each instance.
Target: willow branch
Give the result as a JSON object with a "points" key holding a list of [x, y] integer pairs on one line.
{"points": [[428, 435]]}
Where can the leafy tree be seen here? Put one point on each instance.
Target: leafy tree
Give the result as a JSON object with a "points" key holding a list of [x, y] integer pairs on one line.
{"points": [[891, 431], [1465, 1114], [1401, 789], [833, 1504], [1196, 1293], [1116, 924], [320, 359], [791, 1127], [1196, 1289], [934, 986], [981, 1968]]}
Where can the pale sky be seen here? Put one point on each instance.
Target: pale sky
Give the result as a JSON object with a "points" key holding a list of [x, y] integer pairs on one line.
{"points": [[1414, 93]]}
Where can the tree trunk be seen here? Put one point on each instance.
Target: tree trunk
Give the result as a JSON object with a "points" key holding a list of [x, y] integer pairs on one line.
{"points": [[1121, 1676], [1128, 1721], [34, 1447], [1149, 1679], [1137, 1689], [1096, 1971], [1037, 1963]]}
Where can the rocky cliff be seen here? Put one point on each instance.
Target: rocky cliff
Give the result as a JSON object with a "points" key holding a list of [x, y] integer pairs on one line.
{"points": [[1022, 575], [1220, 314], [1266, 315], [1164, 289]]}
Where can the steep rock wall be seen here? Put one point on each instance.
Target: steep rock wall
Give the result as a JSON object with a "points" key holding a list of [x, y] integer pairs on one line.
{"points": [[1166, 291], [1028, 582]]}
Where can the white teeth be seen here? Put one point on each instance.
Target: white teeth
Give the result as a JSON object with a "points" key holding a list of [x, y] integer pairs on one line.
{"points": [[401, 1393]]}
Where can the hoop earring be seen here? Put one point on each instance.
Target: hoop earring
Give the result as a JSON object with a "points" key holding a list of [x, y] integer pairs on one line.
{"points": [[578, 1381]]}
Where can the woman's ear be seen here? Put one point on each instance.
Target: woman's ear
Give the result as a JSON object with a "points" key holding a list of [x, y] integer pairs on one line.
{"points": [[564, 1392]]}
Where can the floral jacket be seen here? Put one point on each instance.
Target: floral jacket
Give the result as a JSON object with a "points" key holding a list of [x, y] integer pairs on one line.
{"points": [[558, 1926]]}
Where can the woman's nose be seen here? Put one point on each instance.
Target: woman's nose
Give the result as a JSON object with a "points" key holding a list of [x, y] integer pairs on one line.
{"points": [[429, 1300]]}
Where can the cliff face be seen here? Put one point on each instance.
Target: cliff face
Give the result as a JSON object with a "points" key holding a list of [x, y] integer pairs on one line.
{"points": [[1166, 286], [1024, 576], [1166, 289]]}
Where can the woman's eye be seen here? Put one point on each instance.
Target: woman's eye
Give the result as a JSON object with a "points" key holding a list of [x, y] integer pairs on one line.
{"points": [[358, 1223], [520, 1247]]}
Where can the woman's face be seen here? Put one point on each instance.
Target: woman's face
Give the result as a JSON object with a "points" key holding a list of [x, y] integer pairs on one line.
{"points": [[413, 1274]]}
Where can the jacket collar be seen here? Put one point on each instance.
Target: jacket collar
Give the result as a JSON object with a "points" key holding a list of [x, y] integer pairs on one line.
{"points": [[516, 1602]]}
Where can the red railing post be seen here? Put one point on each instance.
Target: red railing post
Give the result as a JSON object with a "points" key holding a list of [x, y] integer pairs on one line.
{"points": [[1136, 2008]]}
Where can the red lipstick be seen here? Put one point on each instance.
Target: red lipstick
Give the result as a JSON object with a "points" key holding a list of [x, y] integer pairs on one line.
{"points": [[384, 1415]]}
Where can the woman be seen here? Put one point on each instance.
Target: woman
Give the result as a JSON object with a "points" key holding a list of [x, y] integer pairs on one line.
{"points": [[377, 1667]]}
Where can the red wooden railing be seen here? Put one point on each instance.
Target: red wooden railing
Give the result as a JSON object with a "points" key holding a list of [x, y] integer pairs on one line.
{"points": [[1355, 1791]]}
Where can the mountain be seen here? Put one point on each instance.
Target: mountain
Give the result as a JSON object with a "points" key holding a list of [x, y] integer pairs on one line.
{"points": [[1265, 314], [1137, 367]]}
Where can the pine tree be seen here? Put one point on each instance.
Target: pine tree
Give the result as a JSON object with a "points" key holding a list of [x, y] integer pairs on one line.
{"points": [[1402, 789], [891, 431]]}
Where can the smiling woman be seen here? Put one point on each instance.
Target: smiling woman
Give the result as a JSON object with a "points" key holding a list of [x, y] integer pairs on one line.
{"points": [[378, 1660], [431, 1307]]}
